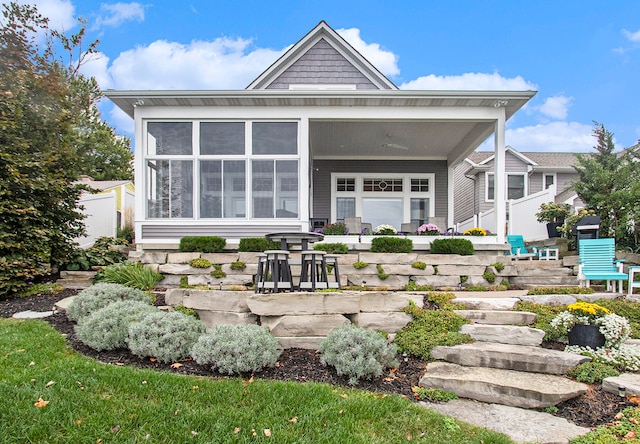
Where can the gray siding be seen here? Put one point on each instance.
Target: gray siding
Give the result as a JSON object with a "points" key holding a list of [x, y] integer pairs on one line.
{"points": [[535, 183], [237, 231], [565, 181], [322, 170], [464, 195], [322, 64]]}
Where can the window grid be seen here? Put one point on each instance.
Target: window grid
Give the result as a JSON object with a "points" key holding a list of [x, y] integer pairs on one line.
{"points": [[382, 185]]}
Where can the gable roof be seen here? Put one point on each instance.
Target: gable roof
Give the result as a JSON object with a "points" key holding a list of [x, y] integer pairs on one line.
{"points": [[322, 42], [537, 161]]}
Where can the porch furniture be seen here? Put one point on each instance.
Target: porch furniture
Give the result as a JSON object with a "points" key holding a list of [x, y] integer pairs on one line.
{"points": [[313, 273], [439, 221], [356, 226], [331, 260], [409, 228], [518, 248], [547, 253], [274, 272], [598, 263], [632, 283], [287, 240]]}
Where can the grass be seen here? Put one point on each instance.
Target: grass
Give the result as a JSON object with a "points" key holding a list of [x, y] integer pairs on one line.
{"points": [[93, 402]]}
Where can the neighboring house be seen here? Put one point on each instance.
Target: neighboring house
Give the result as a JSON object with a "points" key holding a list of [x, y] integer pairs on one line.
{"points": [[109, 207], [525, 174], [319, 136]]}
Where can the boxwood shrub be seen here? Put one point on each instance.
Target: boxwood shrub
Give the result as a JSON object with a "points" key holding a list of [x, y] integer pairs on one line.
{"points": [[452, 246], [202, 244], [388, 244], [257, 244], [335, 248]]}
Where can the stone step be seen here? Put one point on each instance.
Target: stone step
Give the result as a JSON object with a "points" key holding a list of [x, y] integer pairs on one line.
{"points": [[498, 317], [544, 271], [472, 303], [506, 387], [75, 284], [630, 382], [544, 281], [504, 334], [511, 357], [78, 275]]}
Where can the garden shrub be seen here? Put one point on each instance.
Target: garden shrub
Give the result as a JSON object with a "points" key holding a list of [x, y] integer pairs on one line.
{"points": [[131, 274], [419, 265], [99, 254], [100, 295], [593, 372], [202, 244], [200, 262], [335, 229], [108, 328], [166, 336], [257, 244], [236, 349], [238, 265], [463, 247], [357, 352], [559, 290], [388, 244], [430, 328], [332, 248]]}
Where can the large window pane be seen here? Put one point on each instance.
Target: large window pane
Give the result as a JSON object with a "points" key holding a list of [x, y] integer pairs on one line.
{"points": [[169, 189], [262, 178], [419, 210], [382, 211], [275, 138], [287, 189], [234, 189], [169, 138], [211, 189], [345, 207], [515, 188], [222, 138]]}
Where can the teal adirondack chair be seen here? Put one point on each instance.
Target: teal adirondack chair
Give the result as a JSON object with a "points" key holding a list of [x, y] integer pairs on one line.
{"points": [[598, 263], [518, 248]]}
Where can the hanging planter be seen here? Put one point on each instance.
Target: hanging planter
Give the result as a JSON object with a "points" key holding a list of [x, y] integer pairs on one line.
{"points": [[586, 336]]}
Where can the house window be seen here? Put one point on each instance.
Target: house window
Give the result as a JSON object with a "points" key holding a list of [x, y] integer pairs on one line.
{"points": [[384, 198], [549, 180], [226, 169], [516, 186]]}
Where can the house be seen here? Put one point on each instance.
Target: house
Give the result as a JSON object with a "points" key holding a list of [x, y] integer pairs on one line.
{"points": [[108, 207], [319, 136], [526, 174]]}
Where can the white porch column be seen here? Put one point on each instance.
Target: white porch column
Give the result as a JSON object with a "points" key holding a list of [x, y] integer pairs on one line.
{"points": [[304, 190], [449, 198], [499, 203]]}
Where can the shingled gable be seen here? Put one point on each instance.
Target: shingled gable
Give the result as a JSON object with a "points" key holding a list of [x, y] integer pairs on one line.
{"points": [[322, 57]]}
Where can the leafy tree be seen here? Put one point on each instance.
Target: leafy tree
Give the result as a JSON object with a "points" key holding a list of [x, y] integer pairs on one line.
{"points": [[608, 183], [45, 108]]}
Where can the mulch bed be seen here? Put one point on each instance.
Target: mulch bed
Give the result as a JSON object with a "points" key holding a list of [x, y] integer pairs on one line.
{"points": [[594, 408]]}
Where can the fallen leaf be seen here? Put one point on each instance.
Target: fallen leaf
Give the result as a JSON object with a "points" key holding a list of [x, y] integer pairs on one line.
{"points": [[634, 399], [119, 364], [340, 412], [31, 364], [267, 432], [409, 437], [144, 382], [253, 432], [195, 387], [176, 365], [344, 395], [293, 420], [41, 403], [194, 433], [153, 360], [115, 429], [21, 350], [176, 413], [98, 441], [50, 383], [630, 435], [393, 370], [389, 379], [618, 416], [79, 421], [236, 430], [634, 421]]}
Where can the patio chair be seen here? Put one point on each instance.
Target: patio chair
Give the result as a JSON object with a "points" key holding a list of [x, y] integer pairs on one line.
{"points": [[598, 263], [518, 248], [356, 226], [409, 228]]}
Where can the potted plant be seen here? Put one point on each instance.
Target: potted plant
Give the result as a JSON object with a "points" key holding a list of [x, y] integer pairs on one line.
{"points": [[592, 325], [553, 214]]}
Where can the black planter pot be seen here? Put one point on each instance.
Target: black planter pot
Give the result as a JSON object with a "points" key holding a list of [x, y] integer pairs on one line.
{"points": [[586, 336], [552, 229]]}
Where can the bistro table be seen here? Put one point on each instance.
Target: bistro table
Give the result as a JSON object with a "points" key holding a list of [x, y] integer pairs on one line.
{"points": [[295, 238]]}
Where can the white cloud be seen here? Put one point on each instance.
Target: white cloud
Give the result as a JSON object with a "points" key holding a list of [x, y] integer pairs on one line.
{"points": [[470, 81], [61, 13], [556, 107], [569, 137], [223, 63], [117, 13], [385, 61], [633, 36]]}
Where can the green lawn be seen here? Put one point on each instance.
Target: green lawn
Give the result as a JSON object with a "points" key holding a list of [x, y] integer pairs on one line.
{"points": [[89, 402]]}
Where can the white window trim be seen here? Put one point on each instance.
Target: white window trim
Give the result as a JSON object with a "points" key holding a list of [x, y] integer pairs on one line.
{"points": [[406, 194], [544, 180], [506, 185]]}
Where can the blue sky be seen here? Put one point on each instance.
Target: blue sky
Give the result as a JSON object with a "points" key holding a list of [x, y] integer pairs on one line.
{"points": [[583, 57]]}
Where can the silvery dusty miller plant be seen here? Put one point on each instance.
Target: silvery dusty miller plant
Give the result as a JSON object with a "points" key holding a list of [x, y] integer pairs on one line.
{"points": [[236, 348], [100, 295]]}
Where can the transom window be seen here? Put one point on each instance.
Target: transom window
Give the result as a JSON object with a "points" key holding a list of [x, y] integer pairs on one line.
{"points": [[227, 169], [382, 185]]}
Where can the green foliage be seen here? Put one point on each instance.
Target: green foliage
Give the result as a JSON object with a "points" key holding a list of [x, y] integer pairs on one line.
{"points": [[499, 266], [412, 286], [463, 279], [202, 244], [238, 265], [217, 272], [184, 282], [386, 244], [627, 309], [419, 265], [126, 233], [544, 315], [108, 327], [257, 244], [131, 274], [200, 262], [100, 295], [476, 288], [381, 274], [593, 372], [553, 212], [335, 229], [99, 254], [359, 265], [559, 290], [186, 311], [357, 352], [505, 283], [428, 329], [432, 394], [166, 336], [236, 349], [442, 300], [489, 276], [332, 248], [452, 246], [39, 289], [624, 426]]}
